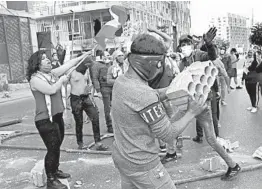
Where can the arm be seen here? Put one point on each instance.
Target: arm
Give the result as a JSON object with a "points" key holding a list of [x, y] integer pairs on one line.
{"points": [[209, 55], [169, 129], [259, 68], [167, 39], [44, 87], [69, 64], [110, 79], [162, 93], [253, 66], [95, 76]]}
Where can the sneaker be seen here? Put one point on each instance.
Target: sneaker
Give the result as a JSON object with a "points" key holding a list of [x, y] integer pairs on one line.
{"points": [[169, 157], [232, 88], [231, 173], [101, 147], [110, 129], [223, 103], [62, 175], [198, 139], [219, 125], [162, 148], [249, 108], [254, 110], [238, 87]]}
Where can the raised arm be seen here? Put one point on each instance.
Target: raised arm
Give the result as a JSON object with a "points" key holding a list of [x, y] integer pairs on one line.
{"points": [[69, 64], [167, 39], [44, 87]]}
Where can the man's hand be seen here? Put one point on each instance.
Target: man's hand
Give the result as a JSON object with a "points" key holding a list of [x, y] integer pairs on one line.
{"points": [[197, 105], [210, 35]]}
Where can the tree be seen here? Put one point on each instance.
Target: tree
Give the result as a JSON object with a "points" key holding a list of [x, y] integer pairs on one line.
{"points": [[256, 35], [222, 43]]}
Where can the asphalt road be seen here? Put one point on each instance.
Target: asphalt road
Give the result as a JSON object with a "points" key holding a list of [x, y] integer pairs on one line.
{"points": [[99, 172]]}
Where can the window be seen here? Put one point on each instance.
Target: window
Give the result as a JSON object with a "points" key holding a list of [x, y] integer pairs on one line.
{"points": [[76, 26], [76, 32]]}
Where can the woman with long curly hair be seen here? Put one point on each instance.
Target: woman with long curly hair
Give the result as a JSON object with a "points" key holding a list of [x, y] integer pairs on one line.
{"points": [[46, 86]]}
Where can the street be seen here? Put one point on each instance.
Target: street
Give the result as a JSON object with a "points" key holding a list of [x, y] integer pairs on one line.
{"points": [[97, 171]]}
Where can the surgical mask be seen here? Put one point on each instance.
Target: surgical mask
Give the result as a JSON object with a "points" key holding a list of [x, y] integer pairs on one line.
{"points": [[107, 61], [222, 52], [187, 50]]}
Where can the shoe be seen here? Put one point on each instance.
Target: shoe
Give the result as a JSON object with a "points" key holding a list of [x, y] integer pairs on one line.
{"points": [[81, 146], [238, 87], [162, 148], [219, 125], [232, 88], [198, 139], [62, 175], [231, 173], [110, 129], [101, 147], [223, 103], [249, 108], [169, 157], [54, 183], [254, 110]]}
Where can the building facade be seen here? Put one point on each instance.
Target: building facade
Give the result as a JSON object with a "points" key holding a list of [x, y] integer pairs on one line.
{"points": [[233, 28], [170, 17]]}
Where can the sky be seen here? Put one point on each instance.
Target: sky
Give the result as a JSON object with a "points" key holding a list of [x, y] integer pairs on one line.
{"points": [[202, 10]]}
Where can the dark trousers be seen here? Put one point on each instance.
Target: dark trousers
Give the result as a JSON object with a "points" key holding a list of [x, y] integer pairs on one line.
{"points": [[84, 103], [52, 134], [107, 98], [252, 92], [215, 117]]}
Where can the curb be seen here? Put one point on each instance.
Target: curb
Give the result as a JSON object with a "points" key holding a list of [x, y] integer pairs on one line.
{"points": [[11, 100], [10, 122], [214, 175]]}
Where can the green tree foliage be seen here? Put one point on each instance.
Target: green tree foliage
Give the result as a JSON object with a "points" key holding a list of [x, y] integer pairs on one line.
{"points": [[256, 35]]}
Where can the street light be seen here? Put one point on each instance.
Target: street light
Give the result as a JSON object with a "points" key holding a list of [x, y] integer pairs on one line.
{"points": [[72, 32]]}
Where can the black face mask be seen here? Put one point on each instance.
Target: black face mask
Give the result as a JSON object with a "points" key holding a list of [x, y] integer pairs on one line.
{"points": [[82, 68]]}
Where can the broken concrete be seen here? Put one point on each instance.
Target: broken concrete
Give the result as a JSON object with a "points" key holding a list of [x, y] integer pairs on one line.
{"points": [[38, 175]]}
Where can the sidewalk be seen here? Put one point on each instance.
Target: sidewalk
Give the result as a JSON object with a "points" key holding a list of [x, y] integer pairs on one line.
{"points": [[15, 95]]}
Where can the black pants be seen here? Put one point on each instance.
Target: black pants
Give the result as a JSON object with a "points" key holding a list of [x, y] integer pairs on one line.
{"points": [[84, 103], [107, 98], [52, 134], [215, 117], [252, 92]]}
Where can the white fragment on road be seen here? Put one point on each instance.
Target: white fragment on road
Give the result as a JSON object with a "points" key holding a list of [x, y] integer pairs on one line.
{"points": [[108, 181], [180, 171], [97, 161], [78, 182]]}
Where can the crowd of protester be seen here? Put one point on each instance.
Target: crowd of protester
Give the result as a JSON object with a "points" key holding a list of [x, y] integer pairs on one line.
{"points": [[142, 83]]}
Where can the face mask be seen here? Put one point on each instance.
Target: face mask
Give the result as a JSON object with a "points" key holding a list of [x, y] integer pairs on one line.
{"points": [[187, 50], [222, 52], [148, 67]]}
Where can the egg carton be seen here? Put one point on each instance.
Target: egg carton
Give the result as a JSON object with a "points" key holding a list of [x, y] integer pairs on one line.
{"points": [[197, 79]]}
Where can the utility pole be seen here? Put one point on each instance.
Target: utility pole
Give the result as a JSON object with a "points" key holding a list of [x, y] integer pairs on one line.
{"points": [[72, 31]]}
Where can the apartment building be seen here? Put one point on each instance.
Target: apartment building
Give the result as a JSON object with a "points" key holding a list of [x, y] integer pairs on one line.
{"points": [[233, 28]]}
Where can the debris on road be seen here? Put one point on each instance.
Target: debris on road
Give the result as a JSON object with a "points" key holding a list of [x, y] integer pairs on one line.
{"points": [[229, 147], [38, 175], [211, 164], [258, 153]]}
